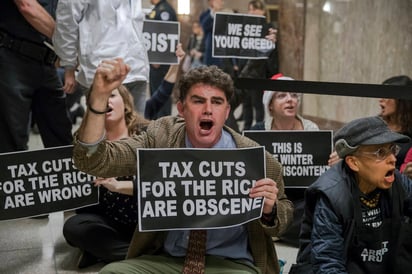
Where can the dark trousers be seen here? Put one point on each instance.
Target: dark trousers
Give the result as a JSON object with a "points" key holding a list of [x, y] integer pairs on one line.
{"points": [[29, 89], [98, 235], [252, 101], [156, 77]]}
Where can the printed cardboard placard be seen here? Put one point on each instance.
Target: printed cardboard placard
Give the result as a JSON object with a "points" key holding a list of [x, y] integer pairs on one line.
{"points": [[240, 36], [161, 39], [43, 181], [198, 188], [303, 154]]}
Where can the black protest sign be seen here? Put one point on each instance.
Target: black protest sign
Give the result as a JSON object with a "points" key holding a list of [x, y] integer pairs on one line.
{"points": [[304, 155], [198, 188], [42, 181], [161, 39], [240, 36]]}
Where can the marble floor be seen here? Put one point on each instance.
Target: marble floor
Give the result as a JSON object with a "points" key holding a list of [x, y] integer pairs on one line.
{"points": [[37, 245]]}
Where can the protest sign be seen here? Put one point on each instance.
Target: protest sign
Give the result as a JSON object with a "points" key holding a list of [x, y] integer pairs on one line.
{"points": [[303, 154], [198, 188], [240, 36], [161, 39], [42, 181]]}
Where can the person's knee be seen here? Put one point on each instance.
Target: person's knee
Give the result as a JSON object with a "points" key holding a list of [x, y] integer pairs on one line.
{"points": [[117, 268], [68, 232], [109, 269], [73, 231]]}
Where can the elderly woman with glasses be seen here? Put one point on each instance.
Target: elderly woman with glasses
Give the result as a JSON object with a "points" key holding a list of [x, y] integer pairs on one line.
{"points": [[281, 113], [281, 110], [357, 215]]}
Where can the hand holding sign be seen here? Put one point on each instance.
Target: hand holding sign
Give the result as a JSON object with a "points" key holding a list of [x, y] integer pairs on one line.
{"points": [[114, 185], [180, 53], [272, 35], [266, 188]]}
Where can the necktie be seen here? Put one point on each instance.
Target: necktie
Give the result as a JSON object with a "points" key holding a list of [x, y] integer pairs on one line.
{"points": [[196, 250]]}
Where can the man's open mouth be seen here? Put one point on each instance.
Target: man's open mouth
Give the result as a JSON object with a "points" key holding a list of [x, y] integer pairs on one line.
{"points": [[206, 125]]}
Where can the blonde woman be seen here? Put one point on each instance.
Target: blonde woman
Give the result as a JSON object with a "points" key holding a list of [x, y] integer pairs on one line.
{"points": [[281, 110]]}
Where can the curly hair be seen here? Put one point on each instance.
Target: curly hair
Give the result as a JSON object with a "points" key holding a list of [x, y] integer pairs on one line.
{"points": [[403, 110], [134, 121], [207, 75]]}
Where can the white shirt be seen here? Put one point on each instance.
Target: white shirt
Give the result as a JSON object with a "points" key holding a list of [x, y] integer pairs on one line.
{"points": [[89, 31]]}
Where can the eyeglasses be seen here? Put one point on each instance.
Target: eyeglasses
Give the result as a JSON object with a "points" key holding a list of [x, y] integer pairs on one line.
{"points": [[283, 95], [382, 153]]}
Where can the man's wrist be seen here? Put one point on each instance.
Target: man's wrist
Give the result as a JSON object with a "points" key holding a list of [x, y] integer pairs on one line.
{"points": [[269, 218], [94, 110]]}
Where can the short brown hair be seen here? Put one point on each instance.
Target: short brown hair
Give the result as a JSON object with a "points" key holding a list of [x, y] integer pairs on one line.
{"points": [[208, 75]]}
